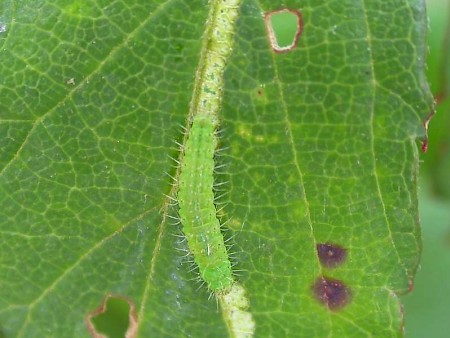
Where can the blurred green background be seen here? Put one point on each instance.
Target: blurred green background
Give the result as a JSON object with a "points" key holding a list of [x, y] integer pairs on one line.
{"points": [[427, 308]]}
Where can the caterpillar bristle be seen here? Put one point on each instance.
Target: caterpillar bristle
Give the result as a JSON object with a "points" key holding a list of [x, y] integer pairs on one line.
{"points": [[174, 180], [229, 239], [237, 274], [220, 150], [179, 145], [171, 203], [220, 207], [182, 127], [217, 303], [181, 250], [194, 280], [229, 249], [177, 218], [218, 167], [176, 145], [219, 184], [174, 223], [229, 244], [223, 223], [219, 131], [221, 191], [211, 295], [181, 237], [172, 200], [187, 256], [219, 197], [174, 160], [184, 251], [202, 284], [238, 270]]}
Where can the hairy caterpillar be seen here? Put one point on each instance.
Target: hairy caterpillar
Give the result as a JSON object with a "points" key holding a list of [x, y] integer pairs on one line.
{"points": [[197, 209], [196, 177], [196, 172]]}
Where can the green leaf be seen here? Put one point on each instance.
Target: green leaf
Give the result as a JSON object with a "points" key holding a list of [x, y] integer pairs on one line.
{"points": [[318, 145]]}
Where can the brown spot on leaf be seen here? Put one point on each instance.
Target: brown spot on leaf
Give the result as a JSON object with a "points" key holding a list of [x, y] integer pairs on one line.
{"points": [[331, 255], [410, 285], [332, 293], [426, 123], [103, 309]]}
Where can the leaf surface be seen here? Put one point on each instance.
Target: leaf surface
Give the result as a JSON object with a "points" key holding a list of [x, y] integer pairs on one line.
{"points": [[318, 145]]}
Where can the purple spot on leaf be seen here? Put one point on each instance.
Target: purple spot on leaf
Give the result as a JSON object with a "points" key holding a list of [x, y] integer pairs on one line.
{"points": [[332, 293], [331, 255]]}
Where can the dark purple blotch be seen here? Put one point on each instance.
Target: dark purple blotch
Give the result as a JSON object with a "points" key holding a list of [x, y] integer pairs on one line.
{"points": [[332, 293], [331, 255]]}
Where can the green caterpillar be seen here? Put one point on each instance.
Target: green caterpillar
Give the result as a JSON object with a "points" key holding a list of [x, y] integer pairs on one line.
{"points": [[196, 177], [197, 209], [196, 172]]}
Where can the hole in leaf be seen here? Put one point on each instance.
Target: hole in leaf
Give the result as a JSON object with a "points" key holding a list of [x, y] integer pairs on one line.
{"points": [[331, 255], [284, 28], [332, 293], [114, 318]]}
